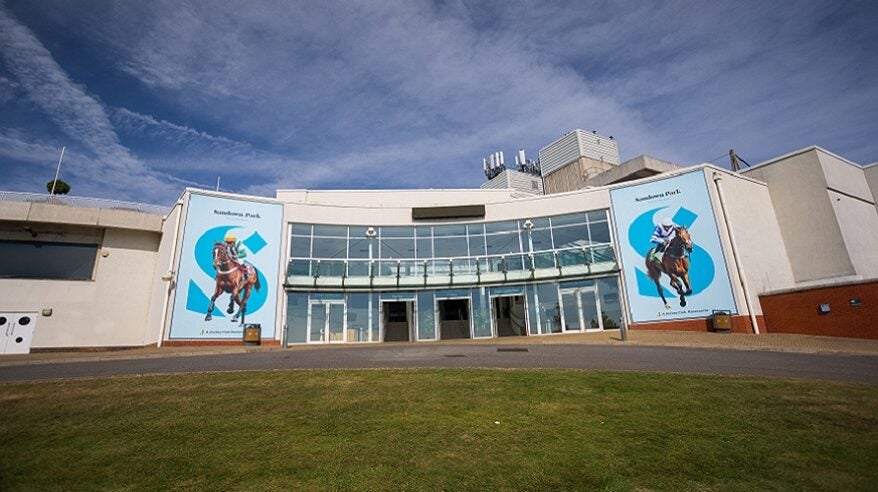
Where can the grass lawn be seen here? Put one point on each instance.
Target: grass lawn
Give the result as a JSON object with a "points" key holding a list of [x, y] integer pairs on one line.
{"points": [[438, 430]]}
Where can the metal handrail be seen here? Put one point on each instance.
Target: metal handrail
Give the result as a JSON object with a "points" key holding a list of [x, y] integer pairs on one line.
{"points": [[460, 265], [80, 201]]}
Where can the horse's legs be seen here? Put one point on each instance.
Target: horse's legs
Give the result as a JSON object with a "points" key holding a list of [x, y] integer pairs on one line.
{"points": [[678, 286], [216, 293], [236, 298], [243, 303]]}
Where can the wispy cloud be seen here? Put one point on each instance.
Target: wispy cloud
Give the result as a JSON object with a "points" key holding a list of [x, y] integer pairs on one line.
{"points": [[76, 113], [412, 94]]}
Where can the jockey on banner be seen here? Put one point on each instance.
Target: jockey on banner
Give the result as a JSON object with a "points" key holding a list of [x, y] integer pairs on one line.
{"points": [[237, 253], [661, 237]]}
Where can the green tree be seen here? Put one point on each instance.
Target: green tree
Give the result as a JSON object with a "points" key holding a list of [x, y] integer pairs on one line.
{"points": [[61, 188]]}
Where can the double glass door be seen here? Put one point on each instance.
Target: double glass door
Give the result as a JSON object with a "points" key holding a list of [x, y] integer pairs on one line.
{"points": [[326, 322], [582, 309]]}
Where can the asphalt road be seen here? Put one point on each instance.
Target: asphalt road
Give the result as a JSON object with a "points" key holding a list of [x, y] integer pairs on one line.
{"points": [[837, 367]]}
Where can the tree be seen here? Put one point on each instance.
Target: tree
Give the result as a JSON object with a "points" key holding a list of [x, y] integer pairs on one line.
{"points": [[61, 188]]}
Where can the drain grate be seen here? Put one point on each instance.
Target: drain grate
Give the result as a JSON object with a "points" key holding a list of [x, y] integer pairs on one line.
{"points": [[511, 349]]}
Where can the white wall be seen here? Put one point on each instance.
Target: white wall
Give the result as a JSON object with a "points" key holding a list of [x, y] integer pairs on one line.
{"points": [[161, 289], [807, 220], [111, 310], [760, 245]]}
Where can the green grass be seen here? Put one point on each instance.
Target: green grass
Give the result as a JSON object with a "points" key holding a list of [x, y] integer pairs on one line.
{"points": [[435, 430]]}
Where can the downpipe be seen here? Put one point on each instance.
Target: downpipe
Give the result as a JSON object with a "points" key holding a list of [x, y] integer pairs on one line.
{"points": [[172, 282], [717, 178]]}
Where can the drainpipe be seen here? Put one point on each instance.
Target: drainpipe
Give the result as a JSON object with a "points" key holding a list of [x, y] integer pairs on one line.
{"points": [[173, 275], [717, 178]]}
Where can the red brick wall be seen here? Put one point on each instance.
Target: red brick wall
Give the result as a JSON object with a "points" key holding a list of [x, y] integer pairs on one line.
{"points": [[797, 312], [740, 324], [266, 342]]}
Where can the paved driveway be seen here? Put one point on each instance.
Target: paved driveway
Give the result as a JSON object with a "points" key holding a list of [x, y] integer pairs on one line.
{"points": [[839, 367]]}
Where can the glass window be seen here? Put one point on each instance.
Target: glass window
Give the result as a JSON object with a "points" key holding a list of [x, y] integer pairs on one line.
{"points": [[44, 260], [397, 248], [359, 248], [358, 318], [597, 215], [302, 229], [397, 232], [510, 226], [447, 247], [550, 308], [481, 317], [539, 222], [300, 247], [542, 239], [426, 316], [450, 230], [533, 320], [357, 232], [570, 236], [611, 306], [331, 231], [600, 232], [424, 248], [329, 247], [501, 244], [297, 317], [561, 220]]}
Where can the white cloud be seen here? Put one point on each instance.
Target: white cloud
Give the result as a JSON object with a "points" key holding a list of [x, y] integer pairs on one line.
{"points": [[76, 113]]}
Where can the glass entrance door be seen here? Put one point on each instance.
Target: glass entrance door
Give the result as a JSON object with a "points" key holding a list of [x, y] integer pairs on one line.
{"points": [[582, 311], [326, 322]]}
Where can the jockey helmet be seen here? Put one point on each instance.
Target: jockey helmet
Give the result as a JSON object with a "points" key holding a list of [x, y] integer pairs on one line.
{"points": [[666, 223], [230, 238]]}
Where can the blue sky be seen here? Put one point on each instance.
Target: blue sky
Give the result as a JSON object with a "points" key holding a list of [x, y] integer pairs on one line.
{"points": [[150, 97]]}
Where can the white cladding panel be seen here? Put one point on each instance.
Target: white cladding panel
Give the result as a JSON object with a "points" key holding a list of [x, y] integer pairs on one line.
{"points": [[574, 145], [525, 182], [498, 182]]}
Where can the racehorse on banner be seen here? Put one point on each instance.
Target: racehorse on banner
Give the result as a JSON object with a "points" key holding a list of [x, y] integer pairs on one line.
{"points": [[675, 264], [230, 279]]}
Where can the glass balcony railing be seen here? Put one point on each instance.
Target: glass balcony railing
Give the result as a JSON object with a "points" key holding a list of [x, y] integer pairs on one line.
{"points": [[453, 271]]}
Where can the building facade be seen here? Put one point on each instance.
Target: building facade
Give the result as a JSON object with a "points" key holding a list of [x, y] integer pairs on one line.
{"points": [[425, 265]]}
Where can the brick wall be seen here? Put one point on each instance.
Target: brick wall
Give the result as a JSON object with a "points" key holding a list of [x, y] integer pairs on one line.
{"points": [[740, 324], [797, 311], [266, 342]]}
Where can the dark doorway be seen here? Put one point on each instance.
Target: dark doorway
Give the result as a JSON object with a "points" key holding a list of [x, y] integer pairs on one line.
{"points": [[398, 320], [509, 316], [453, 318]]}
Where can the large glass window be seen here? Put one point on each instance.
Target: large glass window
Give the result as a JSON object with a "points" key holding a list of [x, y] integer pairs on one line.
{"points": [[426, 315], [491, 239], [359, 320], [611, 306], [549, 307], [45, 260], [297, 317]]}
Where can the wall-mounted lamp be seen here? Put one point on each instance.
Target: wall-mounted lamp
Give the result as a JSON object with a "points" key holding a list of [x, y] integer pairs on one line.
{"points": [[168, 276]]}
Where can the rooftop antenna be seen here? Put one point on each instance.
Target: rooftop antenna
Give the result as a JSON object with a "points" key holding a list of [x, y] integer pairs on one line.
{"points": [[217, 183], [736, 160], [57, 171]]}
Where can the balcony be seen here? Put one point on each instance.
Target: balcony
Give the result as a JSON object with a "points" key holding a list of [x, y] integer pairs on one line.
{"points": [[447, 272]]}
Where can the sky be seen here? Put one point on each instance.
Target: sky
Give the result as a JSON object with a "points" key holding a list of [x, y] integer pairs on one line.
{"points": [[151, 97]]}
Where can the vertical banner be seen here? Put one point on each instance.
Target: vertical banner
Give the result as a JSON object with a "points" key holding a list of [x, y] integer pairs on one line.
{"points": [[690, 279], [229, 247]]}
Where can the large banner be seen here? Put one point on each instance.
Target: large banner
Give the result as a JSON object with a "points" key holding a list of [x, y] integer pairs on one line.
{"points": [[229, 246], [688, 280]]}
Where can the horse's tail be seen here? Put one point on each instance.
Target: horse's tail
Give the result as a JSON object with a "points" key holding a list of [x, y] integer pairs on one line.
{"points": [[256, 284]]}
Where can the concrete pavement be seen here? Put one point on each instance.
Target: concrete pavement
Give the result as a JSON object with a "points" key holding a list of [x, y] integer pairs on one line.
{"points": [[771, 342]]}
